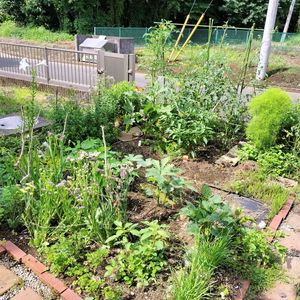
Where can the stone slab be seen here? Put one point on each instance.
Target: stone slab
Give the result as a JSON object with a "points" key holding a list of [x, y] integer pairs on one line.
{"points": [[8, 279], [6, 128], [292, 267], [291, 241], [281, 291], [293, 220], [27, 294]]}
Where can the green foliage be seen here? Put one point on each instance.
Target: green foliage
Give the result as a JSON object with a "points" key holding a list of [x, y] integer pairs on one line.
{"points": [[224, 243], [110, 106], [209, 215], [11, 206], [268, 111], [36, 34], [157, 41], [138, 262], [65, 252], [164, 181], [244, 13], [194, 280], [276, 162], [255, 185]]}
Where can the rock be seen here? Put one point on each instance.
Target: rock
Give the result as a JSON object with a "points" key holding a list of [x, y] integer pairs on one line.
{"points": [[262, 225], [230, 158], [227, 161], [249, 165], [133, 134], [286, 182]]}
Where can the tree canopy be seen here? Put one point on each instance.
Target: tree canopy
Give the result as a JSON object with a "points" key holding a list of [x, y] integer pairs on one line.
{"points": [[82, 15]]}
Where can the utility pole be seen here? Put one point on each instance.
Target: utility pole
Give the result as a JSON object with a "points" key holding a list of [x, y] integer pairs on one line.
{"points": [[267, 38], [288, 20]]}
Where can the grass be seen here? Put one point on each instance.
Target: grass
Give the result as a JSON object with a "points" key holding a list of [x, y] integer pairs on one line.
{"points": [[10, 29], [12, 98], [194, 281], [252, 184]]}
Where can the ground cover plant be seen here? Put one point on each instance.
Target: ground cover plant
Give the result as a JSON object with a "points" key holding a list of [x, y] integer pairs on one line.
{"points": [[117, 224], [10, 29]]}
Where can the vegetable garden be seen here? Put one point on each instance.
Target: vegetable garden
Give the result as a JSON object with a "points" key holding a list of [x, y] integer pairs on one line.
{"points": [[130, 220]]}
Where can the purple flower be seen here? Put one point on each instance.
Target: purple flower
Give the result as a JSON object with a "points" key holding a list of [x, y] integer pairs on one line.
{"points": [[123, 172]]}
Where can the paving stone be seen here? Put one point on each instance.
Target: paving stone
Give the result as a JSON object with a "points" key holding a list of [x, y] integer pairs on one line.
{"points": [[280, 291], [68, 294], [14, 251], [32, 263], [292, 266], [293, 220], [291, 241], [27, 294], [53, 282], [8, 279]]}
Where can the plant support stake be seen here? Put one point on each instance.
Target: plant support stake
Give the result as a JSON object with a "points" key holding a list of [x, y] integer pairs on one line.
{"points": [[266, 42]]}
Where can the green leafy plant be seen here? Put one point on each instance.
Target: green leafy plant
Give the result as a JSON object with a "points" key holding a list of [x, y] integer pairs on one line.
{"points": [[157, 40], [268, 112], [138, 262], [211, 216], [164, 181]]}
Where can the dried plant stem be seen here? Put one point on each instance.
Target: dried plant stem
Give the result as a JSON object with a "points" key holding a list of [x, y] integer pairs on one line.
{"points": [[105, 153]]}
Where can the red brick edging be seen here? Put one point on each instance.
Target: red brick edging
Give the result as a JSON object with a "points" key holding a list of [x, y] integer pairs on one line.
{"points": [[274, 225], [276, 221], [40, 270], [67, 294], [243, 290]]}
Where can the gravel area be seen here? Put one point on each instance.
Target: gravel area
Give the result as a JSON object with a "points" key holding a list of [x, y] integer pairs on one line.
{"points": [[29, 280]]}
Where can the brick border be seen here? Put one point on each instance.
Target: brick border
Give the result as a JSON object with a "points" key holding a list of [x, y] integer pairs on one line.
{"points": [[38, 268], [243, 290], [282, 214]]}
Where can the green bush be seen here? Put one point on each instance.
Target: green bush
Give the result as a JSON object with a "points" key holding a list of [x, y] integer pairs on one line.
{"points": [[268, 111], [110, 106]]}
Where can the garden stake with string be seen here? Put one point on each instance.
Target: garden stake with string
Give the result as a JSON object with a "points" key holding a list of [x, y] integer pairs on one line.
{"points": [[193, 31], [181, 32]]}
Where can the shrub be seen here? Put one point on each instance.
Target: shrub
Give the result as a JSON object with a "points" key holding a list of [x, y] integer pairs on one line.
{"points": [[268, 112], [117, 103]]}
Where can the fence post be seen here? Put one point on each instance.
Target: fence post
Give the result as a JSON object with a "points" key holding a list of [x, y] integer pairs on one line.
{"points": [[131, 68], [47, 64], [101, 62]]}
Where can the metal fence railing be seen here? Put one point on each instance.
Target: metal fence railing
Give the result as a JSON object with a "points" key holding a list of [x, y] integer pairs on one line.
{"points": [[229, 36], [66, 68], [61, 67]]}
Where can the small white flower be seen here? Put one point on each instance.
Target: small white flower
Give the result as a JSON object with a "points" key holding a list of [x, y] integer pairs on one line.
{"points": [[23, 64], [42, 63]]}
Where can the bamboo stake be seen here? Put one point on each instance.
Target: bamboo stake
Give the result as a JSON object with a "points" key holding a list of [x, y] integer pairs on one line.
{"points": [[179, 36], [189, 37]]}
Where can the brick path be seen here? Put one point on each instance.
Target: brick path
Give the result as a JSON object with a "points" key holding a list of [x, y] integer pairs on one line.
{"points": [[289, 288], [10, 281]]}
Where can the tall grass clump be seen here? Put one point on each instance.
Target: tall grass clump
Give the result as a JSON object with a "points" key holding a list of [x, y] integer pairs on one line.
{"points": [[194, 281], [36, 34], [268, 112]]}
